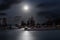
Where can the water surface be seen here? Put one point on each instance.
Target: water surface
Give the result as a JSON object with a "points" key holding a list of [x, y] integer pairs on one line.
{"points": [[30, 35]]}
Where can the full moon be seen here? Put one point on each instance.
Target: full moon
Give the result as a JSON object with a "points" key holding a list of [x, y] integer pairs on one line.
{"points": [[26, 7]]}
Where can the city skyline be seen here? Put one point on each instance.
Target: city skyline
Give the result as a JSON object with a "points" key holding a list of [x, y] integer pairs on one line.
{"points": [[47, 8]]}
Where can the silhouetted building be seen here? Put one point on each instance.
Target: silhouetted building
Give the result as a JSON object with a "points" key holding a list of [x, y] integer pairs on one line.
{"points": [[17, 19], [50, 21], [28, 23], [16, 25], [23, 23], [31, 21], [38, 25], [4, 22]]}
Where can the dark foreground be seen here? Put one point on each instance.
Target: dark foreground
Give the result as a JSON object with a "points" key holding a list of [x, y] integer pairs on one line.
{"points": [[17, 34]]}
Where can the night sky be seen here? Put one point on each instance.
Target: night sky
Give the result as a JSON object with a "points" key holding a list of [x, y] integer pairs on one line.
{"points": [[39, 9]]}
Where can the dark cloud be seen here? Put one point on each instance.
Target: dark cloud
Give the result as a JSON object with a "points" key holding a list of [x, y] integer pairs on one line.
{"points": [[48, 14], [6, 3], [48, 4], [51, 9]]}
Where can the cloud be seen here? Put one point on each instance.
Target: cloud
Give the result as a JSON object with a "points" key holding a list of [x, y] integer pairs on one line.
{"points": [[49, 9], [6, 3], [48, 14]]}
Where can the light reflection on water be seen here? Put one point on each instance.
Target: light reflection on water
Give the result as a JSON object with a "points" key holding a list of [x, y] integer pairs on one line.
{"points": [[30, 35], [39, 35], [26, 35]]}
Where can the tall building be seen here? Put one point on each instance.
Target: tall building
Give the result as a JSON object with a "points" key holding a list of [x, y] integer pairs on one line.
{"points": [[31, 21], [23, 23], [17, 19], [50, 22], [4, 22], [3, 18]]}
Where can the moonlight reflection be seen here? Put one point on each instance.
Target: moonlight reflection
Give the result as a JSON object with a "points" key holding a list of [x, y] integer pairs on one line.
{"points": [[25, 35]]}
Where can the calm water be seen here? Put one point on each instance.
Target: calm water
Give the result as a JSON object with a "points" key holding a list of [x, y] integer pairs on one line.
{"points": [[30, 35]]}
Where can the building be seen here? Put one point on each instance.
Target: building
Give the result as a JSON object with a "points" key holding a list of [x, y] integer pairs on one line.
{"points": [[17, 19], [23, 24], [31, 21], [3, 20]]}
